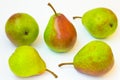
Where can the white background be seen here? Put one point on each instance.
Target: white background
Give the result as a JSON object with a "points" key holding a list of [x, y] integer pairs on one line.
{"points": [[41, 12]]}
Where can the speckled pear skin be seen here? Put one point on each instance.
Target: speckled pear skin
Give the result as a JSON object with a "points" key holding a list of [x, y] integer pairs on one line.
{"points": [[60, 34], [100, 22], [95, 58]]}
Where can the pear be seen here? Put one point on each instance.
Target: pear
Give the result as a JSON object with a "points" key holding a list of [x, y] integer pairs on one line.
{"points": [[60, 34], [26, 62], [21, 29], [100, 22], [95, 59]]}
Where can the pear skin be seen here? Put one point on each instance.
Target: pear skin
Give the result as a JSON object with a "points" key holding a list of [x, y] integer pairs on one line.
{"points": [[100, 22], [95, 59], [60, 34], [26, 62], [21, 29]]}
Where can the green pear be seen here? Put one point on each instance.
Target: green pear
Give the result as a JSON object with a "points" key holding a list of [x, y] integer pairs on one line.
{"points": [[60, 34], [26, 61], [100, 22], [95, 58], [21, 29]]}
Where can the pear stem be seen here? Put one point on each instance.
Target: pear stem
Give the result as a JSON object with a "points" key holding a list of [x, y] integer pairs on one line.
{"points": [[76, 17], [52, 8], [69, 63], [52, 73]]}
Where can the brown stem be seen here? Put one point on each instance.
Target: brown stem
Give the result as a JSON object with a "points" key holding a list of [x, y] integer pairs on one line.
{"points": [[70, 63], [52, 73], [52, 8], [76, 17]]}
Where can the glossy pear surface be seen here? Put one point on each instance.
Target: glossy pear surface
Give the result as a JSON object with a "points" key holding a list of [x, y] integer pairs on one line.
{"points": [[100, 22], [95, 58], [60, 34], [21, 29], [26, 62]]}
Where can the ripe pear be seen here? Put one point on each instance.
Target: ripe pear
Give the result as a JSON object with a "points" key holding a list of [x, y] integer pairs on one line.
{"points": [[26, 62], [95, 59], [100, 22], [60, 34], [21, 29]]}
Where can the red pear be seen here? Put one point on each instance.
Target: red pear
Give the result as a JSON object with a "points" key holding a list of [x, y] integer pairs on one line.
{"points": [[60, 34]]}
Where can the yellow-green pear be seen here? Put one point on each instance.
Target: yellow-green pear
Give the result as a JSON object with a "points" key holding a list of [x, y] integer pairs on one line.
{"points": [[95, 58], [100, 22], [21, 29], [26, 62]]}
